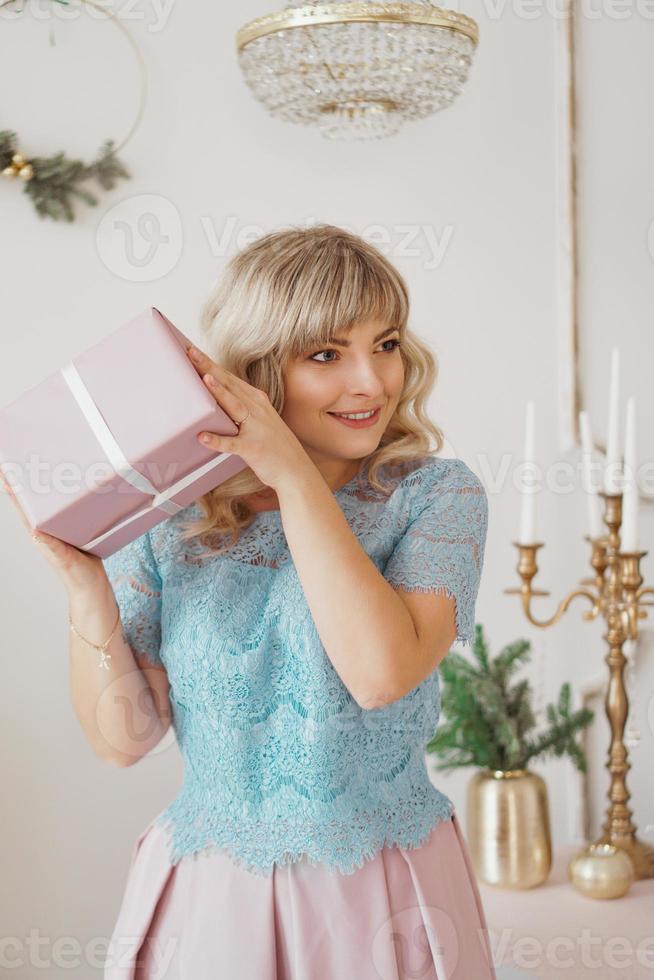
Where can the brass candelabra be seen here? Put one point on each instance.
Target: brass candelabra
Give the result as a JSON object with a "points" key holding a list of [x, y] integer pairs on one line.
{"points": [[614, 592]]}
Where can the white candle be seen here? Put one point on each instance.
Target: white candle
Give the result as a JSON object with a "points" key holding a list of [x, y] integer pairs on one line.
{"points": [[612, 463], [595, 526], [629, 530], [528, 512]]}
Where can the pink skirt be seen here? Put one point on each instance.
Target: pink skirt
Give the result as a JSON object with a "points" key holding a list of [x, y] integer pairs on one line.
{"points": [[407, 913]]}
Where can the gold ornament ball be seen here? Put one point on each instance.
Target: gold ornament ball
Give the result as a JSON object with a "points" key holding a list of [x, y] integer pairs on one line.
{"points": [[19, 167], [602, 871]]}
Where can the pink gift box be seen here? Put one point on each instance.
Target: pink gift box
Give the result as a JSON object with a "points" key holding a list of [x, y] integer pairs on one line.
{"points": [[107, 447]]}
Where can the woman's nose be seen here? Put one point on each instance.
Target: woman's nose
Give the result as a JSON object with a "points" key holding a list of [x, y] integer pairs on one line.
{"points": [[366, 376]]}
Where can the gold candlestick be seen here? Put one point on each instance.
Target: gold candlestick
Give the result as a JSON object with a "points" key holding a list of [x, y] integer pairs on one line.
{"points": [[615, 593]]}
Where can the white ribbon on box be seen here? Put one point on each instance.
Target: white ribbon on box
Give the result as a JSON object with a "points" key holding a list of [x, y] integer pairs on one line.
{"points": [[160, 499]]}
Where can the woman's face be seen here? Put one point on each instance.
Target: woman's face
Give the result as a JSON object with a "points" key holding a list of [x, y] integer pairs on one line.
{"points": [[364, 370]]}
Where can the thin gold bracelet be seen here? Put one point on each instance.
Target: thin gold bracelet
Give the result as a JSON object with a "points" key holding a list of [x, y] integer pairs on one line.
{"points": [[104, 656]]}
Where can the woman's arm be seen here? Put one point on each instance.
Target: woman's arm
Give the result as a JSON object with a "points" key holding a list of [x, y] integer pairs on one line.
{"points": [[382, 643], [124, 711]]}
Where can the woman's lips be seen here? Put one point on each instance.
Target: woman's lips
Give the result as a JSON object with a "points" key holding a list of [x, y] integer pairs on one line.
{"points": [[358, 423]]}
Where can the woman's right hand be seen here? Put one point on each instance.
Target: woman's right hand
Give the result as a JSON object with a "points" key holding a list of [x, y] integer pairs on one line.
{"points": [[78, 569]]}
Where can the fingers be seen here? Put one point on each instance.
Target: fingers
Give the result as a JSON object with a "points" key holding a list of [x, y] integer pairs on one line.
{"points": [[204, 365], [12, 496], [227, 400], [201, 362], [218, 443]]}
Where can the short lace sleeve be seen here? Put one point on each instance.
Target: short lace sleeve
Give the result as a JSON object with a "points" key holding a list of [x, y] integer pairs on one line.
{"points": [[135, 579], [442, 549]]}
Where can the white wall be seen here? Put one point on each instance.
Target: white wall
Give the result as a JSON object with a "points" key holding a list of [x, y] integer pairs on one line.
{"points": [[480, 178]]}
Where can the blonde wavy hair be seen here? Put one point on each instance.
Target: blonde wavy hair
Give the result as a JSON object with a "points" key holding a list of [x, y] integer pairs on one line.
{"points": [[291, 291]]}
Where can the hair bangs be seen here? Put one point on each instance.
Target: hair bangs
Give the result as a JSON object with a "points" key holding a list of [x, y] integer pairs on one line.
{"points": [[340, 289]]}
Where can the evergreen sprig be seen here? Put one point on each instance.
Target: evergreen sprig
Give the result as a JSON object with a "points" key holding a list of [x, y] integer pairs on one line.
{"points": [[56, 180], [488, 720]]}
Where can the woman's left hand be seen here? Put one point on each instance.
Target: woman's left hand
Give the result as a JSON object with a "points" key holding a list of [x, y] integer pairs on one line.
{"points": [[264, 441]]}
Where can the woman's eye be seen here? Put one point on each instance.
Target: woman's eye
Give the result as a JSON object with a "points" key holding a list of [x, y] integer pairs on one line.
{"points": [[314, 356], [330, 350]]}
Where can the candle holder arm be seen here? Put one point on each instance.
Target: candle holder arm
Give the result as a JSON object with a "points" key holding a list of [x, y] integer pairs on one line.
{"points": [[528, 593], [527, 569]]}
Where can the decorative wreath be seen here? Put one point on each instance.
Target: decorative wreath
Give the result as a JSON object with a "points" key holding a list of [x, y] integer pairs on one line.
{"points": [[52, 182]]}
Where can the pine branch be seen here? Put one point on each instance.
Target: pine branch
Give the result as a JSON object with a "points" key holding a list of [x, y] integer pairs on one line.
{"points": [[57, 179], [560, 738], [7, 147], [510, 659], [486, 720]]}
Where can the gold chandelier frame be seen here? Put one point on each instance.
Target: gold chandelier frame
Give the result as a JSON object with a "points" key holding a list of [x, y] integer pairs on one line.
{"points": [[350, 13]]}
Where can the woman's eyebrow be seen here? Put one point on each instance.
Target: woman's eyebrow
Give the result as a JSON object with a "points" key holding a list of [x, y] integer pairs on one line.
{"points": [[343, 342]]}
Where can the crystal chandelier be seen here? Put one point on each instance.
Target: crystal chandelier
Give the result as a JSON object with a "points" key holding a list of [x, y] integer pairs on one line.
{"points": [[357, 70]]}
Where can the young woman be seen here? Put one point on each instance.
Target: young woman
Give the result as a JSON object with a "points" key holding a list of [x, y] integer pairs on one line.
{"points": [[289, 625]]}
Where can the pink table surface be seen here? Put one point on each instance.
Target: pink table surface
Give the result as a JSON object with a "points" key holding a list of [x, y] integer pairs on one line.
{"points": [[553, 932]]}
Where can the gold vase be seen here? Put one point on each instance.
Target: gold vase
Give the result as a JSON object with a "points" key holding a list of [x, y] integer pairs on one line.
{"points": [[508, 828]]}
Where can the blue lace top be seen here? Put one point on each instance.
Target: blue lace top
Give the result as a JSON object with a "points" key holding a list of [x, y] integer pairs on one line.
{"points": [[280, 761]]}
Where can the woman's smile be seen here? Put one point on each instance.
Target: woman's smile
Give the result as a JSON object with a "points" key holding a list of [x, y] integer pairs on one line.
{"points": [[358, 423]]}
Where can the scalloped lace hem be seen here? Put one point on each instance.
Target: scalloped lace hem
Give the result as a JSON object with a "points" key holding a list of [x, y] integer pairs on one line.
{"points": [[315, 857]]}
